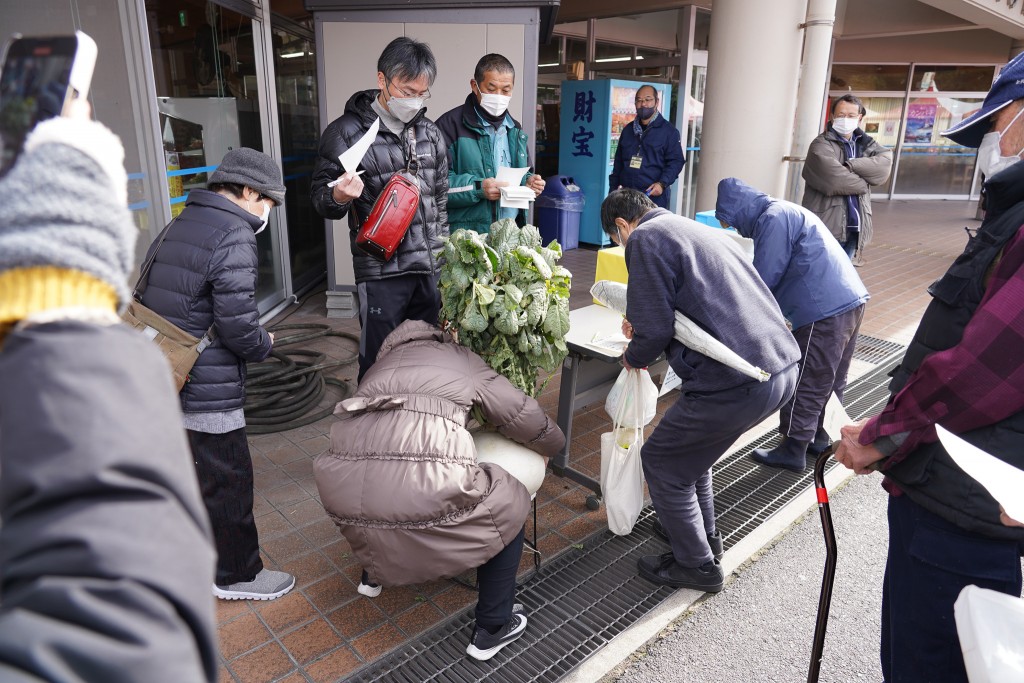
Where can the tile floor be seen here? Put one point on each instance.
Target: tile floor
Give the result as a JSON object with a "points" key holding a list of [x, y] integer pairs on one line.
{"points": [[324, 631]]}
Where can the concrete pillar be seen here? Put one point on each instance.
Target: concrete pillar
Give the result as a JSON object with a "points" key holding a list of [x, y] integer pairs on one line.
{"points": [[821, 16], [753, 70], [684, 39]]}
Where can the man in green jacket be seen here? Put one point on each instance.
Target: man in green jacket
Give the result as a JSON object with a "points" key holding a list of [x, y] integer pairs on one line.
{"points": [[483, 137]]}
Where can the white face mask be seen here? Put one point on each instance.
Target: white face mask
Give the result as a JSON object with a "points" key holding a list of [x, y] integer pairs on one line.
{"points": [[264, 217], [845, 126], [990, 153], [405, 108], [495, 105]]}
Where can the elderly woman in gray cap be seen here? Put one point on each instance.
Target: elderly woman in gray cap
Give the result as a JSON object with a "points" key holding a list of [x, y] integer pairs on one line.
{"points": [[203, 277]]}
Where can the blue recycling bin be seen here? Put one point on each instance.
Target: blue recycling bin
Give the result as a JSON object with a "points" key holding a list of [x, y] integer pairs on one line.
{"points": [[558, 210]]}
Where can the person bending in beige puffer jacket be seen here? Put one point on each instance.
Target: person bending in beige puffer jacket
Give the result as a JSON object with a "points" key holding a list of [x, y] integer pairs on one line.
{"points": [[402, 483]]}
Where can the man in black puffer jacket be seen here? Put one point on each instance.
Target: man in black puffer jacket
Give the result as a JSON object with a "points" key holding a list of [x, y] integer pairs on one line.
{"points": [[405, 287]]}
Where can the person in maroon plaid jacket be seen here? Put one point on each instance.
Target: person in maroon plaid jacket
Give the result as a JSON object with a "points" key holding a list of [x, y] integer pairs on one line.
{"points": [[965, 371]]}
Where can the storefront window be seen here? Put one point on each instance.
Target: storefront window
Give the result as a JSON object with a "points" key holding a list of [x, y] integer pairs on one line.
{"points": [[929, 162], [952, 78], [869, 77]]}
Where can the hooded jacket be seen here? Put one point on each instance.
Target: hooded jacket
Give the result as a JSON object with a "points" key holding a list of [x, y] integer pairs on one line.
{"points": [[470, 161], [809, 274], [400, 478], [386, 156], [205, 274], [831, 177]]}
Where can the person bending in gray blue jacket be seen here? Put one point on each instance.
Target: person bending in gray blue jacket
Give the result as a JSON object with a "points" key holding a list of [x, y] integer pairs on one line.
{"points": [[676, 264], [820, 294]]}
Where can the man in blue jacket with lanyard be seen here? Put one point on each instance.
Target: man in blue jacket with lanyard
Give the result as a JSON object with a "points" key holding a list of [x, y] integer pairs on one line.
{"points": [[821, 296], [649, 157]]}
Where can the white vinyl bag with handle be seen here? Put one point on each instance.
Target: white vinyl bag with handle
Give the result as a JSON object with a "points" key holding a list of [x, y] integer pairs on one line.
{"points": [[622, 475], [619, 401]]}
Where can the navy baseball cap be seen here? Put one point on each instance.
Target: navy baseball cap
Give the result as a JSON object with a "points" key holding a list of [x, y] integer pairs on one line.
{"points": [[1008, 86]]}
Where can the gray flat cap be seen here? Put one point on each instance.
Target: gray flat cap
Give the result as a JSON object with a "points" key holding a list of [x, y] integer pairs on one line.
{"points": [[251, 168]]}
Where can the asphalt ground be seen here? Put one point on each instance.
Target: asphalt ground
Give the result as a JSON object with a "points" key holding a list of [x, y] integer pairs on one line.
{"points": [[761, 627]]}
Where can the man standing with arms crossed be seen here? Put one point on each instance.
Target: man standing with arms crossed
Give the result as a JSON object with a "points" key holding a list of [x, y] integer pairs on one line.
{"points": [[842, 165]]}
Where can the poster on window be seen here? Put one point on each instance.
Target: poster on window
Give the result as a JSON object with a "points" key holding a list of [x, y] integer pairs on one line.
{"points": [[920, 123]]}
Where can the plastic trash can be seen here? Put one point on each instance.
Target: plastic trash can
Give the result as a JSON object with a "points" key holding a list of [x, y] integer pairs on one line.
{"points": [[558, 211]]}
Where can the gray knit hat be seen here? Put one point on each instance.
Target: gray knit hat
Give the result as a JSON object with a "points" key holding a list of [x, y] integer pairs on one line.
{"points": [[248, 167]]}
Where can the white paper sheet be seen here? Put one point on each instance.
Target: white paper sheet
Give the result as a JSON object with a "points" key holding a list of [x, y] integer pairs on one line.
{"points": [[353, 156], [1004, 481], [836, 417], [512, 176], [670, 382]]}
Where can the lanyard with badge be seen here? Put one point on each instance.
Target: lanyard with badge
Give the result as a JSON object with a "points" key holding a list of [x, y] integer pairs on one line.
{"points": [[638, 158]]}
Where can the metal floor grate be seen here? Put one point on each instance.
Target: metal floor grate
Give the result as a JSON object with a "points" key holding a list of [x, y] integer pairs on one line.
{"points": [[583, 599], [875, 350]]}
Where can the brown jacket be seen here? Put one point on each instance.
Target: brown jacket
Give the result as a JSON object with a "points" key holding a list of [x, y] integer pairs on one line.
{"points": [[400, 478], [831, 177]]}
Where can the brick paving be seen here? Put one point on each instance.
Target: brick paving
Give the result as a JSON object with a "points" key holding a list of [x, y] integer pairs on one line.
{"points": [[324, 631]]}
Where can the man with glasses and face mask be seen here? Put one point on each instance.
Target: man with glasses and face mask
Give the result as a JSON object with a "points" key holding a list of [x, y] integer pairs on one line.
{"points": [[963, 370], [404, 287], [842, 165], [649, 157], [483, 137]]}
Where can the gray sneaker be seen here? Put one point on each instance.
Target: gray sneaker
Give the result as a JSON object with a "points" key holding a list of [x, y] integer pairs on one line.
{"points": [[268, 585]]}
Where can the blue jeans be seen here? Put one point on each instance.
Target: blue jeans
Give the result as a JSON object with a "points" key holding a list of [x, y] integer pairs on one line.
{"points": [[850, 245], [930, 561]]}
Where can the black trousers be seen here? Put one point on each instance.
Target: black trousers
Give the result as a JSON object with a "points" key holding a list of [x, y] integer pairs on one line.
{"points": [[496, 579], [386, 304], [224, 468], [930, 561], [826, 350]]}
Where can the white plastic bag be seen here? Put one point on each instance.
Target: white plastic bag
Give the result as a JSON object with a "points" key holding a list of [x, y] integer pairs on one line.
{"points": [[622, 474], [629, 385], [991, 630]]}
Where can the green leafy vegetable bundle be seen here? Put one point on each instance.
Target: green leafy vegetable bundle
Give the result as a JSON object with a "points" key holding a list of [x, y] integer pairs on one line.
{"points": [[507, 299]]}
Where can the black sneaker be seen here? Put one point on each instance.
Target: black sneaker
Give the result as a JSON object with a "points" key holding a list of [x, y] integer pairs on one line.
{"points": [[484, 645], [820, 443], [789, 455], [665, 571], [714, 540]]}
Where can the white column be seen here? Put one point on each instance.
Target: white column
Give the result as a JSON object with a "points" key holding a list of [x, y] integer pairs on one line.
{"points": [[750, 104], [810, 101], [684, 39]]}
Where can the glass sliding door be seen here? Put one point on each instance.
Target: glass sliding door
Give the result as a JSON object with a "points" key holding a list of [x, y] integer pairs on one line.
{"points": [[299, 119], [207, 66], [931, 164]]}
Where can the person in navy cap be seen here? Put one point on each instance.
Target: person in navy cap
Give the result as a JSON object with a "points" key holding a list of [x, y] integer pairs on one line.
{"points": [[965, 371]]}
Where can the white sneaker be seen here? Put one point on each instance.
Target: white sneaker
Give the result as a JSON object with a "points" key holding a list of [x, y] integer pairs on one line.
{"points": [[370, 590], [268, 585], [484, 645]]}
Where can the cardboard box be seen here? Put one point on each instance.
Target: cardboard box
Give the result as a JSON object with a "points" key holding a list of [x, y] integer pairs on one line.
{"points": [[611, 265]]}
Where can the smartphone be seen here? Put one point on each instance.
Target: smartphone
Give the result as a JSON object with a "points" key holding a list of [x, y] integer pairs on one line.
{"points": [[39, 79]]}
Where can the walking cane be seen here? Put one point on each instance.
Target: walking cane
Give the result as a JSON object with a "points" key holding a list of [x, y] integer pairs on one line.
{"points": [[825, 600]]}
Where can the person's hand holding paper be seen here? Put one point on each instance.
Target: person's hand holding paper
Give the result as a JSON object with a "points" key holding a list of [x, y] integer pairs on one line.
{"points": [[513, 194], [350, 185]]}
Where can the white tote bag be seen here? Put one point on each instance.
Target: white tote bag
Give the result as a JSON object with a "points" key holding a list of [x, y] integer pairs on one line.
{"points": [[619, 401], [622, 474]]}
